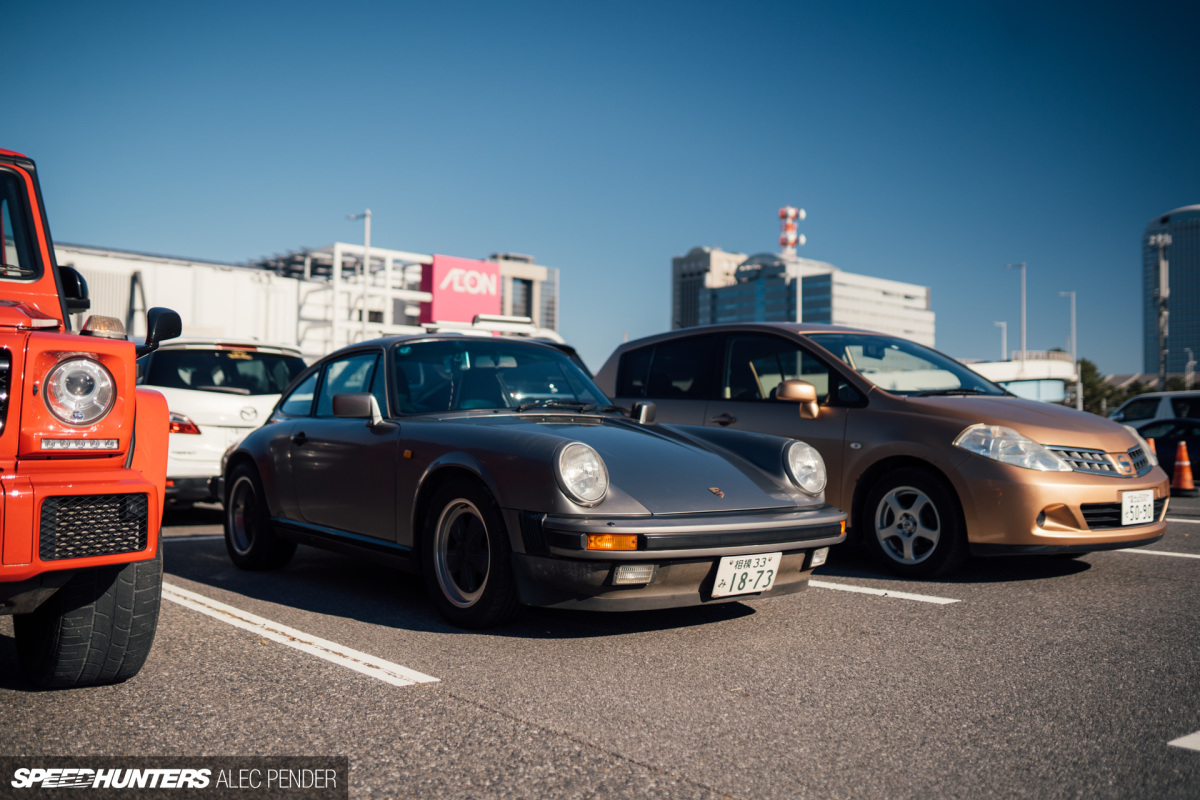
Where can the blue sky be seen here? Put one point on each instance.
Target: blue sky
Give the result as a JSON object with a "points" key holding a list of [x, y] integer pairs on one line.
{"points": [[929, 142]]}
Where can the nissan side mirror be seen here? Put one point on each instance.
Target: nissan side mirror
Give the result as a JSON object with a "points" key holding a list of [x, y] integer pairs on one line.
{"points": [[801, 392], [161, 324]]}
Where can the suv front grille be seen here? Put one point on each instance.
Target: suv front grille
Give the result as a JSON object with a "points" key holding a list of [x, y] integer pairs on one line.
{"points": [[93, 525], [1098, 462], [1108, 515]]}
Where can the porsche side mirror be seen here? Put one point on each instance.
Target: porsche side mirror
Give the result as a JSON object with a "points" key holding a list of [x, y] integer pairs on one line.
{"points": [[357, 405], [801, 392], [644, 413]]}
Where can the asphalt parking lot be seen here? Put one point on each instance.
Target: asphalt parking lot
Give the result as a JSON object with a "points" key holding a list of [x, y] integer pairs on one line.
{"points": [[1023, 677]]}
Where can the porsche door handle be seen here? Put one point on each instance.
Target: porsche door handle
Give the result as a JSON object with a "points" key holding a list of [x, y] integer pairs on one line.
{"points": [[724, 419], [299, 438]]}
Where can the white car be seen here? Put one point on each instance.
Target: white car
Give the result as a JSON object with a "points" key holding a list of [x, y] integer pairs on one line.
{"points": [[1157, 405], [218, 391]]}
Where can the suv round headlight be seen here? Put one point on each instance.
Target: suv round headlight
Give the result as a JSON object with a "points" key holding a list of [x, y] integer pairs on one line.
{"points": [[581, 473], [805, 467], [80, 391]]}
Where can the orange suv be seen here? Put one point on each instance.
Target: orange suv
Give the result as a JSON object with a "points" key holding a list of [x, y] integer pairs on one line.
{"points": [[83, 456], [932, 461]]}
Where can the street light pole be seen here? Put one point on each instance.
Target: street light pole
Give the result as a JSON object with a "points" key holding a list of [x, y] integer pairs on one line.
{"points": [[1022, 268], [365, 266], [1162, 241], [1075, 354], [1189, 371], [1003, 326]]}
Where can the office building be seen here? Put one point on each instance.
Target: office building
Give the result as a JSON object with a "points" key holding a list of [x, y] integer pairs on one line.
{"points": [[1183, 303], [702, 268], [780, 287]]}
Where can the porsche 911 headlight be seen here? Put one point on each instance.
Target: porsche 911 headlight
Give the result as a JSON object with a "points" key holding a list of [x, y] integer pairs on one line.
{"points": [[581, 474], [80, 391], [1009, 447], [805, 467]]}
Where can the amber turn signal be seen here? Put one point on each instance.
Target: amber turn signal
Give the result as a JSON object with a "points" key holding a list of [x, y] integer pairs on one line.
{"points": [[612, 541]]}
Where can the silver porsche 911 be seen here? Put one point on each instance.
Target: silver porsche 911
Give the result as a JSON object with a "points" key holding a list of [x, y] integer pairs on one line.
{"points": [[497, 470]]}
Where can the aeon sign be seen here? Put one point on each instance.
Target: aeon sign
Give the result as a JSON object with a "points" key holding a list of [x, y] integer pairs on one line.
{"points": [[461, 288]]}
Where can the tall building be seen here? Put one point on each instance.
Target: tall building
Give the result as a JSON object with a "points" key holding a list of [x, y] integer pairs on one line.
{"points": [[702, 268], [1183, 303], [771, 287]]}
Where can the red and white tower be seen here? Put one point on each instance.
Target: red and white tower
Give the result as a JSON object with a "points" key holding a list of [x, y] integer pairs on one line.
{"points": [[788, 239]]}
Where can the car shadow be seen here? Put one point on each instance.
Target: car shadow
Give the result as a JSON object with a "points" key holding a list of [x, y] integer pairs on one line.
{"points": [[848, 561], [331, 584]]}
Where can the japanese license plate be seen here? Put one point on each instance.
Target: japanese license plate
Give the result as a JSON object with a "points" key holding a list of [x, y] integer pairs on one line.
{"points": [[1137, 508], [746, 574]]}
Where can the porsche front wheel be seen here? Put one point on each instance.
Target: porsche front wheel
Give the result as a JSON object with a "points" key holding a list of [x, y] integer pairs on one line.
{"points": [[466, 557]]}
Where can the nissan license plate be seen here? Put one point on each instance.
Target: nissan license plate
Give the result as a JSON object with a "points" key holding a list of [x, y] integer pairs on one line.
{"points": [[1137, 508], [746, 574]]}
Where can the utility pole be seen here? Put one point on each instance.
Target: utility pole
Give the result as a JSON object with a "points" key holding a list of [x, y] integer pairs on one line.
{"points": [[1162, 241], [1075, 354], [1021, 266], [365, 266]]}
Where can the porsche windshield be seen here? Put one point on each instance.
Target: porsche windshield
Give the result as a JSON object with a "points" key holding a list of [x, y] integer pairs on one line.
{"points": [[904, 367], [476, 372]]}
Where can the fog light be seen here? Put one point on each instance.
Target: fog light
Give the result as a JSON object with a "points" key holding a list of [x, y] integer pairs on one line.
{"points": [[818, 557], [634, 574], [612, 541], [1041, 519], [79, 444]]}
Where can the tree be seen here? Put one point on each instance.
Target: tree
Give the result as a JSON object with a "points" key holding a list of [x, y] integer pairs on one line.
{"points": [[1098, 396]]}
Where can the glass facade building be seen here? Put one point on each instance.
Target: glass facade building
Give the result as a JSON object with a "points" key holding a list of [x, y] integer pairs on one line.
{"points": [[1183, 303], [782, 288]]}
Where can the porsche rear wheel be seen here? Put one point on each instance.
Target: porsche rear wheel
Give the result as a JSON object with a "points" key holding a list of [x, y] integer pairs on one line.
{"points": [[249, 536], [466, 557]]}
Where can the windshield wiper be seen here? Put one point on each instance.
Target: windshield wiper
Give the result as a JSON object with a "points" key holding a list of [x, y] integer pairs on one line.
{"points": [[948, 392], [556, 404]]}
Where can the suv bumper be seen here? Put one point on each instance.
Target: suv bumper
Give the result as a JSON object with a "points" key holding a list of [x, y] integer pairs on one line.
{"points": [[59, 521]]}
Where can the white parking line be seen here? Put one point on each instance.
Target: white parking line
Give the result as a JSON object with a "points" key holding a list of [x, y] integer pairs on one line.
{"points": [[333, 652], [1191, 741], [1189, 521], [920, 598], [1156, 552]]}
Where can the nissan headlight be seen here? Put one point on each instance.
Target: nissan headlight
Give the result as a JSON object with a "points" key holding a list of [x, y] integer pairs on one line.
{"points": [[80, 391], [1151, 456], [581, 474], [805, 467], [1009, 447]]}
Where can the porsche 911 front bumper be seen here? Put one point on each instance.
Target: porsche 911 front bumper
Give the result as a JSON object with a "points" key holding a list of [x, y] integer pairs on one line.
{"points": [[681, 553]]}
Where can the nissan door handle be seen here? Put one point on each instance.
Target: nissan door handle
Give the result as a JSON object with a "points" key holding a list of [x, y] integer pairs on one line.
{"points": [[299, 438], [724, 419]]}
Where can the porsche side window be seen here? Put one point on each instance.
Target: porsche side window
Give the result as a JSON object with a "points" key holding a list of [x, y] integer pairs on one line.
{"points": [[344, 376], [757, 364], [299, 402]]}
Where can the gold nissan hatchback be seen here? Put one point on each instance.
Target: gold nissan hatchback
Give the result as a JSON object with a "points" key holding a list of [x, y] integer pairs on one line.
{"points": [[932, 461]]}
